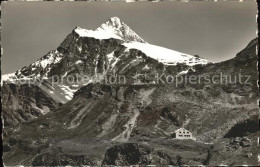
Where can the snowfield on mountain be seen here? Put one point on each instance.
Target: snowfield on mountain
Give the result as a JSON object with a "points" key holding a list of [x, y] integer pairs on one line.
{"points": [[164, 55]]}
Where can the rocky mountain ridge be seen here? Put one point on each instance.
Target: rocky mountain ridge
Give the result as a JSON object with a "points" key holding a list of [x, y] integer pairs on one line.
{"points": [[106, 44], [111, 49]]}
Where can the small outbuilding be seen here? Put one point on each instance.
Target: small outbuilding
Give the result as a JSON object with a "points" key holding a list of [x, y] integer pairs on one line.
{"points": [[182, 134]]}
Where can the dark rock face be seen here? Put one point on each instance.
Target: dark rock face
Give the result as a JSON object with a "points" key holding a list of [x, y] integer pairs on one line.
{"points": [[6, 148], [89, 60], [96, 91], [24, 103], [244, 128], [134, 154], [61, 160], [127, 154], [249, 51], [176, 118]]}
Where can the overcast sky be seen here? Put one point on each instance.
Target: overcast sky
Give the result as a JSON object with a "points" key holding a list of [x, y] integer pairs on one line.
{"points": [[214, 30]]}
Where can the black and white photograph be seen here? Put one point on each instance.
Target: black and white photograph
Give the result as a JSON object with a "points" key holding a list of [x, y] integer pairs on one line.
{"points": [[130, 83]]}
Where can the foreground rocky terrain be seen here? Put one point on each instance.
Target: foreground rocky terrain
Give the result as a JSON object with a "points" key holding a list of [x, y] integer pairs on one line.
{"points": [[131, 123]]}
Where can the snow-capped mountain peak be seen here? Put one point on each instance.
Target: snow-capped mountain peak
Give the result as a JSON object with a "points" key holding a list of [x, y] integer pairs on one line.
{"points": [[116, 26], [112, 28], [114, 21]]}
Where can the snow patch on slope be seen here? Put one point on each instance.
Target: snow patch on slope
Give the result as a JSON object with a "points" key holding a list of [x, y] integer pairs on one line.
{"points": [[98, 34], [67, 91], [51, 58], [7, 77], [164, 55]]}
